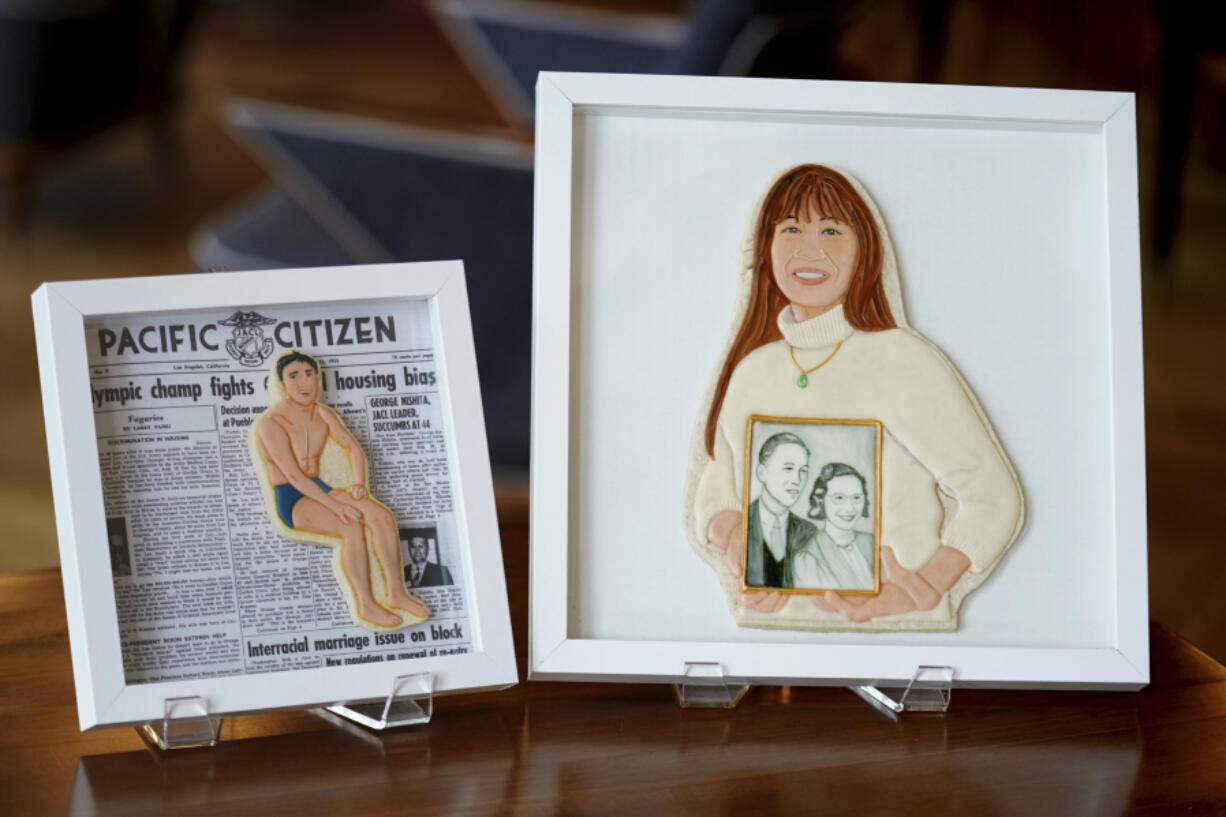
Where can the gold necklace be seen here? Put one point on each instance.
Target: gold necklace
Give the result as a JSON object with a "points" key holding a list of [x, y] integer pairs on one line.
{"points": [[803, 380]]}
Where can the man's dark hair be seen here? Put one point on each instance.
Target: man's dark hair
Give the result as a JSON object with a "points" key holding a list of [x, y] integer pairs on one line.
{"points": [[294, 357], [776, 440]]}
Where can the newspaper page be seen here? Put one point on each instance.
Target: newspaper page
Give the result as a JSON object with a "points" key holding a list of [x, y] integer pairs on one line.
{"points": [[204, 586]]}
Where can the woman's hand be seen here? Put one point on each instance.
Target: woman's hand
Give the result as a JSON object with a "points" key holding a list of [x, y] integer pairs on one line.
{"points": [[764, 601], [357, 491], [725, 533], [902, 590]]}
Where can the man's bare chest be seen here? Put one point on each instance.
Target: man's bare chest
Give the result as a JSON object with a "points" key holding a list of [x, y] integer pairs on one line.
{"points": [[307, 438]]}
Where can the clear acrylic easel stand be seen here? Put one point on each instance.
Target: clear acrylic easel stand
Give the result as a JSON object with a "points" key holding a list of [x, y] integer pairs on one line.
{"points": [[929, 690], [706, 687], [186, 724], [410, 702]]}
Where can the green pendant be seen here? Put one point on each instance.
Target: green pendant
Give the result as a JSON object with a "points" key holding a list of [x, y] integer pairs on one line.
{"points": [[803, 380]]}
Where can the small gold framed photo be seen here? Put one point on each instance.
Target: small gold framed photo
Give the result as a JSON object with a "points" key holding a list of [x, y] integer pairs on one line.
{"points": [[812, 512]]}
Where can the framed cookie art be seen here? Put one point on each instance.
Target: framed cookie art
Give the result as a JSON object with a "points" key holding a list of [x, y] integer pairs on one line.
{"points": [[834, 381], [272, 489]]}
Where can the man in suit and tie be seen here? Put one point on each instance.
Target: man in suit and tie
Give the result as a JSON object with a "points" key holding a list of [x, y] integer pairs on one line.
{"points": [[774, 532], [420, 571]]}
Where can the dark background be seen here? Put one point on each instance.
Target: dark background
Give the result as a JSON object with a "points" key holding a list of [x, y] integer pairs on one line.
{"points": [[123, 195]]}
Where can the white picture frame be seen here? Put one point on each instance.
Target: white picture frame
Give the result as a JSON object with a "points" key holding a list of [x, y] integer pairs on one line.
{"points": [[103, 697], [616, 591]]}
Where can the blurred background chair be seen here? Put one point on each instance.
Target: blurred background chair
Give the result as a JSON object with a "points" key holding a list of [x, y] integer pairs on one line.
{"points": [[72, 68], [505, 43], [363, 191], [366, 192]]}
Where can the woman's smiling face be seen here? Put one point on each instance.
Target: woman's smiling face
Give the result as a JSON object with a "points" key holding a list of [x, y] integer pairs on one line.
{"points": [[813, 259], [844, 501]]}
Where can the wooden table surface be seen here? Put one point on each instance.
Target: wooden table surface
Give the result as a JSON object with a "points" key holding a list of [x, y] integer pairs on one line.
{"points": [[551, 748]]}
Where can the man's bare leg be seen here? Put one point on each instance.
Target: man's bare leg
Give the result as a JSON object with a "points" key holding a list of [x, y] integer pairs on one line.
{"points": [[387, 550], [311, 516]]}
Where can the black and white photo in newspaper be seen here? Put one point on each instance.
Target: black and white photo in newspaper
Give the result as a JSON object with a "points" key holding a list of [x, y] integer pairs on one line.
{"points": [[204, 587]]}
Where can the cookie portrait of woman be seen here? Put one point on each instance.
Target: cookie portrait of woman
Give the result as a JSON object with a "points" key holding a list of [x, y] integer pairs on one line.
{"points": [[819, 332]]}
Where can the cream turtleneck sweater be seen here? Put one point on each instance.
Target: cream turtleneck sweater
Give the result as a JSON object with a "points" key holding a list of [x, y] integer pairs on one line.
{"points": [[945, 478]]}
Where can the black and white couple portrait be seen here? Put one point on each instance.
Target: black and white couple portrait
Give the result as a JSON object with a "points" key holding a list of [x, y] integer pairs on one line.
{"points": [[810, 520]]}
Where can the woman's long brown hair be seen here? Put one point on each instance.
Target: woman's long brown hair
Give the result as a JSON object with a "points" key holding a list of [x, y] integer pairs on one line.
{"points": [[828, 194]]}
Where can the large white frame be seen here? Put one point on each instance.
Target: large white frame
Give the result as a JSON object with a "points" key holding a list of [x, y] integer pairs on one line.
{"points": [[564, 102], [103, 697]]}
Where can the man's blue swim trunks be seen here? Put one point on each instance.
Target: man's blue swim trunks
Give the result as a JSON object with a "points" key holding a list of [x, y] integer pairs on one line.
{"points": [[287, 497]]}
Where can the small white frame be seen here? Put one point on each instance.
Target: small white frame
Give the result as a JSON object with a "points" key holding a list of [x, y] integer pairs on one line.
{"points": [[103, 697], [573, 148]]}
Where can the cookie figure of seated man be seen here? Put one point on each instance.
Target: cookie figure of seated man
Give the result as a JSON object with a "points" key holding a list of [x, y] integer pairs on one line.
{"points": [[287, 444]]}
